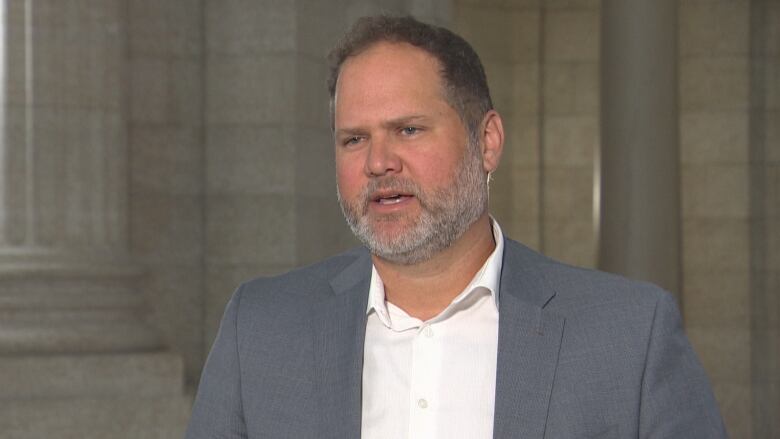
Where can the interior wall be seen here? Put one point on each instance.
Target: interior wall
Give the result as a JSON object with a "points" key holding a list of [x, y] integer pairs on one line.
{"points": [[165, 141], [541, 60], [764, 183], [714, 145]]}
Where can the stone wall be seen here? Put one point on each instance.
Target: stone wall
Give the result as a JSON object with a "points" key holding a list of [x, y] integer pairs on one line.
{"points": [[541, 60], [165, 137], [715, 143], [187, 145], [79, 357], [764, 188]]}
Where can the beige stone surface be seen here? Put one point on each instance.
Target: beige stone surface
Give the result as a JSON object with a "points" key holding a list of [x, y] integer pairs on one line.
{"points": [[164, 28], [165, 159], [712, 28], [571, 35], [571, 4], [245, 27], [152, 374], [355, 9], [735, 402], [524, 231], [165, 136], [571, 141], [714, 83], [323, 24], [249, 159], [97, 418], [321, 230], [714, 137], [524, 181], [724, 352], [571, 88], [250, 228], [522, 139], [772, 30], [312, 102], [500, 35], [772, 137], [715, 191], [432, 11], [253, 90], [568, 192], [315, 168], [712, 245], [716, 299], [513, 4], [514, 87], [570, 241]]}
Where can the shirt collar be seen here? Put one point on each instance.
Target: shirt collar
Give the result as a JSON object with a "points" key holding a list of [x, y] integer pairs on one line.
{"points": [[486, 278]]}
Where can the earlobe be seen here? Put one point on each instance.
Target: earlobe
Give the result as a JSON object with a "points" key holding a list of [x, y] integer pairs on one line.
{"points": [[492, 140]]}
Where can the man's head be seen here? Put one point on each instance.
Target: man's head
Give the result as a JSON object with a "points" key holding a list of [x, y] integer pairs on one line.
{"points": [[411, 177], [463, 77]]}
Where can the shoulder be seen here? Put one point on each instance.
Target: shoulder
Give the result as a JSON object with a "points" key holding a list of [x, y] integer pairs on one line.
{"points": [[299, 286], [582, 293]]}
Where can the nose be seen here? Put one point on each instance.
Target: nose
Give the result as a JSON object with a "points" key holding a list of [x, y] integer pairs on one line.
{"points": [[381, 159]]}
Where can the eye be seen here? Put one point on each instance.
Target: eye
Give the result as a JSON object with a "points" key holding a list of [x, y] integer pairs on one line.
{"points": [[410, 131], [353, 140]]}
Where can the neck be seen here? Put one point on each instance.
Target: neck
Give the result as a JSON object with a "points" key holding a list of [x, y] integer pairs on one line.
{"points": [[423, 290]]}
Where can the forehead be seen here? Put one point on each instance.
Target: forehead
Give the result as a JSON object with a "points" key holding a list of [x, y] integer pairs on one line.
{"points": [[389, 53], [387, 75]]}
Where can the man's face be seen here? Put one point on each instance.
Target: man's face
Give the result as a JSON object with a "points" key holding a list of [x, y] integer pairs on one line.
{"points": [[408, 183]]}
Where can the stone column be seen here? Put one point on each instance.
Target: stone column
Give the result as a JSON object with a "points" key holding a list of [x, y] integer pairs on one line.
{"points": [[67, 281], [640, 202], [76, 356]]}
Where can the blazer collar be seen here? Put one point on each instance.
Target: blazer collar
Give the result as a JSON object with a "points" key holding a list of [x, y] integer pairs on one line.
{"points": [[529, 339], [339, 334]]}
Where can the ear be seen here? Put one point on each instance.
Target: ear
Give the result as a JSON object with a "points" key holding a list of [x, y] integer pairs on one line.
{"points": [[492, 140]]}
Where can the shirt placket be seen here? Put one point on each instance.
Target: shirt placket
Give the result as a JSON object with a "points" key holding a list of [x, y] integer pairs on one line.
{"points": [[424, 376]]}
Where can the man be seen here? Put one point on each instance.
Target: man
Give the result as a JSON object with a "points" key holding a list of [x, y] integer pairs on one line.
{"points": [[441, 327]]}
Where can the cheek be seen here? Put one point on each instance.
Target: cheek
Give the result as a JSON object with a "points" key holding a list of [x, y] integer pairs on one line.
{"points": [[349, 178], [435, 169]]}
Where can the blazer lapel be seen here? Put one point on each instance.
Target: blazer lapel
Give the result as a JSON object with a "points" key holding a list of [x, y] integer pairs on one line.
{"points": [[340, 330], [529, 340]]}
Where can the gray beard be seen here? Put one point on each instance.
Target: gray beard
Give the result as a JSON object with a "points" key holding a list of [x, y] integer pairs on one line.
{"points": [[445, 213]]}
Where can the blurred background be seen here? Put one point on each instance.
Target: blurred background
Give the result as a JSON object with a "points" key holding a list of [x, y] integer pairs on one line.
{"points": [[156, 153]]}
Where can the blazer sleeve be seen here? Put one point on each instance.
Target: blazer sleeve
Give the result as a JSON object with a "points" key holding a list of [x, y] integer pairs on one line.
{"points": [[676, 399], [217, 412]]}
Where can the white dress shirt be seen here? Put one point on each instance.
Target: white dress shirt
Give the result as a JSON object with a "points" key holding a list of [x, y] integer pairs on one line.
{"points": [[433, 379]]}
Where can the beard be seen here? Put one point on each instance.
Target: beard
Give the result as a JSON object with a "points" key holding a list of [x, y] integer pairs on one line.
{"points": [[445, 213]]}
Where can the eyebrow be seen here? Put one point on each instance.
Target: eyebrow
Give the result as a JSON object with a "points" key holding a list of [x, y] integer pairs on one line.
{"points": [[391, 123], [404, 120]]}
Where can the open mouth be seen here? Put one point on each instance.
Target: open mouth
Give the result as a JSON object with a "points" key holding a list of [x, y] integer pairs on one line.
{"points": [[387, 199]]}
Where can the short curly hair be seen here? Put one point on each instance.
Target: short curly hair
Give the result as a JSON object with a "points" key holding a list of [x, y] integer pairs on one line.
{"points": [[464, 80]]}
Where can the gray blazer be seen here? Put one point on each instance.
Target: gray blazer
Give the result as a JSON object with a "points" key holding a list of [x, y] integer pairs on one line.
{"points": [[581, 354]]}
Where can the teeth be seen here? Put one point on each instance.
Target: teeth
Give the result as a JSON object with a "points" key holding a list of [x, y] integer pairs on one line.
{"points": [[391, 200]]}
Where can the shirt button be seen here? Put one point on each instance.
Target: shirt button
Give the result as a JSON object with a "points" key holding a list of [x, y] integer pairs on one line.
{"points": [[428, 331], [422, 403]]}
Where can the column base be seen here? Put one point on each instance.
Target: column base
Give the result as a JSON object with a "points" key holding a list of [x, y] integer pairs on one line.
{"points": [[96, 418], [107, 396], [51, 303]]}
